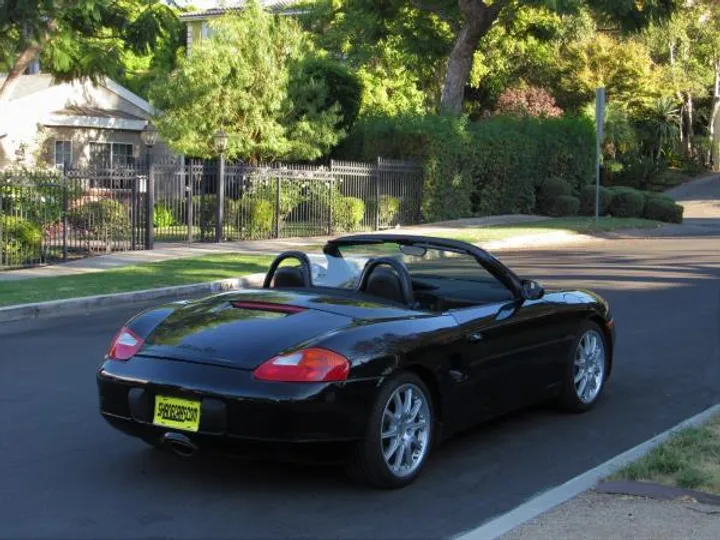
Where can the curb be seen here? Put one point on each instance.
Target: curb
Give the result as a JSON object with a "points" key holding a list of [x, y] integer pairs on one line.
{"points": [[526, 512], [77, 306]]}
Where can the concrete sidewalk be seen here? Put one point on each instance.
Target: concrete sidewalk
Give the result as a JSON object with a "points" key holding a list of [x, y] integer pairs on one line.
{"points": [[600, 516], [168, 251]]}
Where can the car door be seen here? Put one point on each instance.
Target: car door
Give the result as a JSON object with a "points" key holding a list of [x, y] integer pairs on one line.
{"points": [[513, 351]]}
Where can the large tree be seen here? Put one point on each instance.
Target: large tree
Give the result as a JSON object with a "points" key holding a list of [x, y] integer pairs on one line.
{"points": [[78, 38], [257, 79], [478, 17]]}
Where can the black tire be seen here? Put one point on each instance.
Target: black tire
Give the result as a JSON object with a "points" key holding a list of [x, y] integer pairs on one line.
{"points": [[367, 464], [569, 401]]}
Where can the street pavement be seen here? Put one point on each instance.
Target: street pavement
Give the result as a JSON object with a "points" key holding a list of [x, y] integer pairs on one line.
{"points": [[65, 474]]}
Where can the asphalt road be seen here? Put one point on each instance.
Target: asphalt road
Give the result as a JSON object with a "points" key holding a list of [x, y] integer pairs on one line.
{"points": [[65, 474]]}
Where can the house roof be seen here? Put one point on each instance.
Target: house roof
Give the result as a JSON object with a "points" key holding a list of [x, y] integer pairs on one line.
{"points": [[28, 84], [77, 110], [274, 6]]}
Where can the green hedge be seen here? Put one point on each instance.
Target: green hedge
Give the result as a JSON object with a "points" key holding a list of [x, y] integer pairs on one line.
{"points": [[494, 166], [587, 201], [105, 219], [662, 208], [348, 213], [20, 240], [626, 202]]}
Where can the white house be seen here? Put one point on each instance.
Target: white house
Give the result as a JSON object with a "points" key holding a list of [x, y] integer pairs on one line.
{"points": [[80, 124]]}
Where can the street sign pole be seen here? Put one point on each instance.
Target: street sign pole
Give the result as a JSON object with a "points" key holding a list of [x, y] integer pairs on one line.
{"points": [[600, 122]]}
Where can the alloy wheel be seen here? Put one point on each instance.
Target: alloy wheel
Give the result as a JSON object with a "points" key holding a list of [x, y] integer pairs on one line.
{"points": [[405, 431], [589, 371]]}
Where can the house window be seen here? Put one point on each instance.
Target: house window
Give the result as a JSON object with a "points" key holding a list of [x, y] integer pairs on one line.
{"points": [[63, 154], [111, 155]]}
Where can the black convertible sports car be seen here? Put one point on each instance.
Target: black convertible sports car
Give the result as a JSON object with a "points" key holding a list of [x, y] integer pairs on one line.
{"points": [[368, 353]]}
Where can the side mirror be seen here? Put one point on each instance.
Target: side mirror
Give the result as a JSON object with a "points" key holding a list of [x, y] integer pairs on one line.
{"points": [[532, 290]]}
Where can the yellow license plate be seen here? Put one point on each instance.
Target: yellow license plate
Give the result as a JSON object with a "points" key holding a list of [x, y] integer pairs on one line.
{"points": [[177, 413]]}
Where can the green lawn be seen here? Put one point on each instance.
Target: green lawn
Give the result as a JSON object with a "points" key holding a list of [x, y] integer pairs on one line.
{"points": [[690, 459], [212, 267], [133, 278], [582, 225]]}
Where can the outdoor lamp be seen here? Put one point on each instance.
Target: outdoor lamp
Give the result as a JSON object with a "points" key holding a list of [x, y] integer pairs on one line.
{"points": [[221, 141], [149, 135]]}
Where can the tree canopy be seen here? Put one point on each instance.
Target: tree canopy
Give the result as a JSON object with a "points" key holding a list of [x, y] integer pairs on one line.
{"points": [[258, 79], [79, 38]]}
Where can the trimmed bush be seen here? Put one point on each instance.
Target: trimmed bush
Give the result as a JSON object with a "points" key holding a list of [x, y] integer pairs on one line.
{"points": [[106, 220], [163, 216], [564, 205], [587, 200], [258, 216], [626, 202], [550, 191], [388, 211], [20, 240], [348, 213], [492, 166], [663, 209]]}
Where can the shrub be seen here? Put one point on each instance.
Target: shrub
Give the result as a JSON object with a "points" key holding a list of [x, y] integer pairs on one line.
{"points": [[348, 213], [388, 210], [563, 205], [258, 217], [20, 240], [531, 101], [587, 200], [106, 220], [478, 168], [550, 191], [626, 202], [663, 209], [163, 216]]}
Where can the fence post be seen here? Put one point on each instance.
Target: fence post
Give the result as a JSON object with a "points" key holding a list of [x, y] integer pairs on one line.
{"points": [[332, 197], [278, 187], [150, 217], [134, 213], [377, 194], [1, 227], [189, 189], [65, 211], [219, 218]]}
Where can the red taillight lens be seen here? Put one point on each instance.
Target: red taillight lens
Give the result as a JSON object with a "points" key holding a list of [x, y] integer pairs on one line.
{"points": [[309, 365], [125, 345]]}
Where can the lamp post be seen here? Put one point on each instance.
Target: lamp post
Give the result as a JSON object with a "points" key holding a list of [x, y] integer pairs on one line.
{"points": [[221, 142], [149, 138]]}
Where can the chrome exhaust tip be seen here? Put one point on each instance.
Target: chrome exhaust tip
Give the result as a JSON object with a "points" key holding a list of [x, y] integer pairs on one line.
{"points": [[180, 445]]}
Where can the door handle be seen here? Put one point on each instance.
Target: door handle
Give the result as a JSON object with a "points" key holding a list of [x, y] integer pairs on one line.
{"points": [[475, 337]]}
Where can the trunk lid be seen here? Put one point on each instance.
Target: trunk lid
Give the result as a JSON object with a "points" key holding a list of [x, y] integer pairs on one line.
{"points": [[240, 332]]}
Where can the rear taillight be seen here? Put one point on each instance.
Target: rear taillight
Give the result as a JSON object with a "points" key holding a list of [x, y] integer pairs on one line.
{"points": [[125, 345], [308, 365]]}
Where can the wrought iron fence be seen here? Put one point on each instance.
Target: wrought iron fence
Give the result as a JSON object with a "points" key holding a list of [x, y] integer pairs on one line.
{"points": [[55, 216], [282, 200]]}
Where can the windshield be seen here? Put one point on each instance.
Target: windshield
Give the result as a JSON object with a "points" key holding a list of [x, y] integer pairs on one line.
{"points": [[426, 265]]}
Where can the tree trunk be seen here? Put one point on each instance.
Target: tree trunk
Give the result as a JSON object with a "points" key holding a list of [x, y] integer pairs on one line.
{"points": [[715, 111], [478, 20], [24, 59]]}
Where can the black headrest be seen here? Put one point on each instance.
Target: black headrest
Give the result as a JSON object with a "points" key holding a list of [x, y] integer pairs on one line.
{"points": [[385, 283], [289, 276]]}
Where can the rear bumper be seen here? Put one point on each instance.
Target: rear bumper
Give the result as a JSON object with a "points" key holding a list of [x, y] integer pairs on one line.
{"points": [[236, 409]]}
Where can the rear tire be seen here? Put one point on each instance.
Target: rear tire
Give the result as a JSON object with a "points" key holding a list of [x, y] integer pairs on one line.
{"points": [[586, 371], [398, 437]]}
